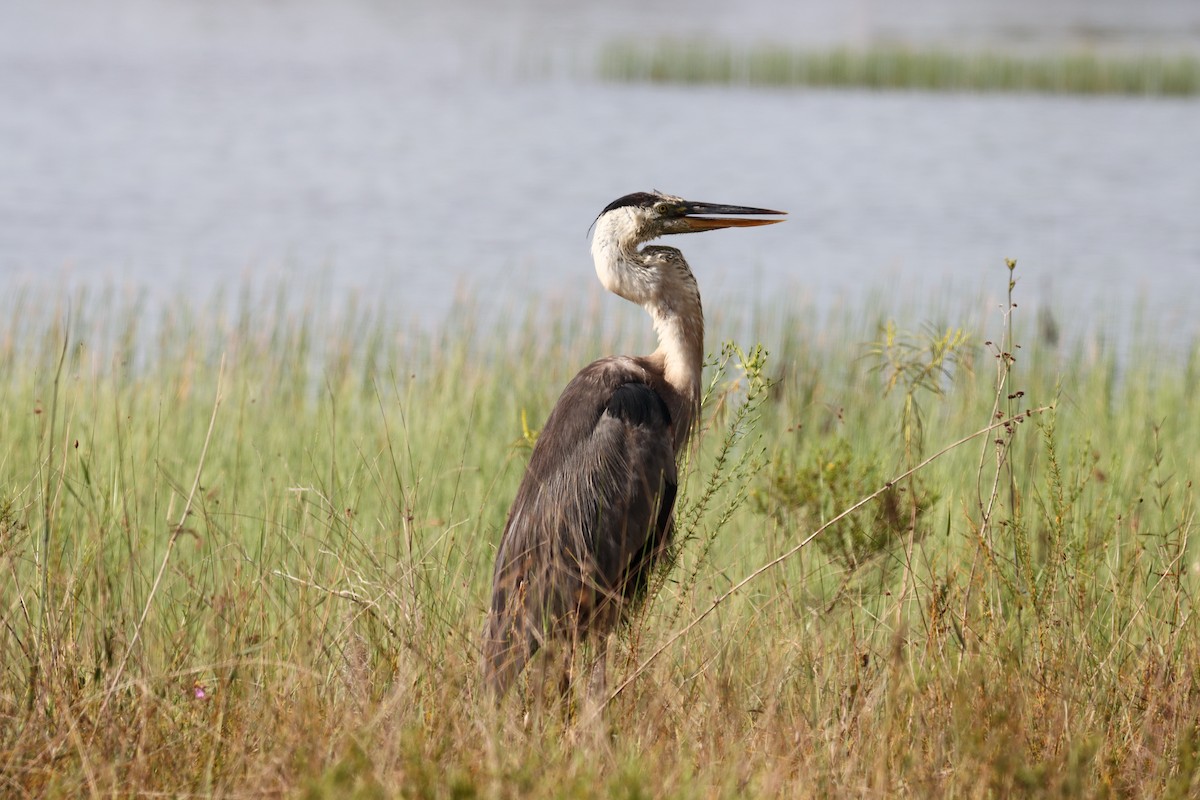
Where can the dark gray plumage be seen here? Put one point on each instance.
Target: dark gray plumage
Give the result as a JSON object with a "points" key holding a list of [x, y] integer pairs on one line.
{"points": [[593, 515]]}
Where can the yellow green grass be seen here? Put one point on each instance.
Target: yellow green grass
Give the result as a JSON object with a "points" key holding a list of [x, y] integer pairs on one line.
{"points": [[898, 67], [245, 552]]}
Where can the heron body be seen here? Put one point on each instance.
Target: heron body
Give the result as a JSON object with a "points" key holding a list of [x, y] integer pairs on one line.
{"points": [[593, 515]]}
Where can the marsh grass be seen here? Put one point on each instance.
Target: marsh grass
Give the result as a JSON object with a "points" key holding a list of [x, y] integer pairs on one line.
{"points": [[897, 67], [1031, 631]]}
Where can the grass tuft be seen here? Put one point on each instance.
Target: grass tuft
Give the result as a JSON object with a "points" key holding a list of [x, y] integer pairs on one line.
{"points": [[271, 533], [889, 67]]}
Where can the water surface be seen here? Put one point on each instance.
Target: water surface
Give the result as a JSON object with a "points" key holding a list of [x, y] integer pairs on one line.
{"points": [[410, 153]]}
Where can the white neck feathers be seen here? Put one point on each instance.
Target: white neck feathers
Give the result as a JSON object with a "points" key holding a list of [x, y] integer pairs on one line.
{"points": [[659, 280]]}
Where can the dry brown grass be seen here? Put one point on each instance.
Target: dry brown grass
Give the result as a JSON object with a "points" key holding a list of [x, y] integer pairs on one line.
{"points": [[314, 630]]}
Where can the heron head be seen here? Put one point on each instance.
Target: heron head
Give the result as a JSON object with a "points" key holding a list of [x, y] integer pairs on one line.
{"points": [[654, 214], [647, 275]]}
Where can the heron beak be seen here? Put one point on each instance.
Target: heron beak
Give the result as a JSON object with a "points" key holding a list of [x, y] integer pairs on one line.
{"points": [[707, 217]]}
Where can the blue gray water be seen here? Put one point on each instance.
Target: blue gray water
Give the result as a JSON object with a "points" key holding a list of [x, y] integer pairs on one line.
{"points": [[412, 152]]}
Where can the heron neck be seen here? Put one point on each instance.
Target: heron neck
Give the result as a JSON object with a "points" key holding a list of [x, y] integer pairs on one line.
{"points": [[678, 317], [680, 346]]}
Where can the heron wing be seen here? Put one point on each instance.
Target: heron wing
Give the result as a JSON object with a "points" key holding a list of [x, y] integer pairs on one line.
{"points": [[590, 519]]}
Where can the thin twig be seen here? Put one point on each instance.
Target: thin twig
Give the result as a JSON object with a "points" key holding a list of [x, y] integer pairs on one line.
{"points": [[737, 587], [1169, 569]]}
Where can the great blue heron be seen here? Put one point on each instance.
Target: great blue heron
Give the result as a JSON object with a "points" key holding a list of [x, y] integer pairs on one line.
{"points": [[593, 514]]}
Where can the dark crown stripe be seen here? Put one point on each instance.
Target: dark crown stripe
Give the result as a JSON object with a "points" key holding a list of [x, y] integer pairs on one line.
{"points": [[639, 199]]}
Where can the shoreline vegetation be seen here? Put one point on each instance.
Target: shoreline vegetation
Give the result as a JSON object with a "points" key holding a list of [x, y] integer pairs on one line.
{"points": [[896, 67], [248, 554]]}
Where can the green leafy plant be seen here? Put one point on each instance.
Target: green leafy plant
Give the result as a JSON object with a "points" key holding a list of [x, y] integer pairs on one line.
{"points": [[828, 480]]}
